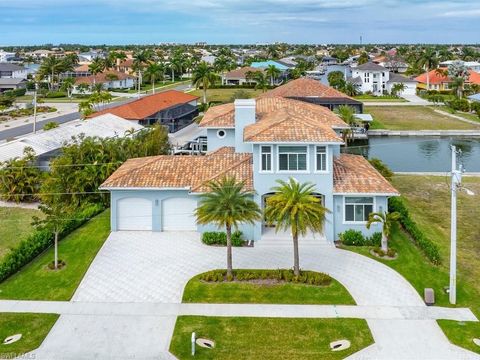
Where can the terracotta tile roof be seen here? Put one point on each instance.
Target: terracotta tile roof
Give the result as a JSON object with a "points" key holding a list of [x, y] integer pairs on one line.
{"points": [[191, 172], [148, 105], [354, 174], [284, 124], [303, 87], [82, 68], [241, 72], [102, 77], [437, 77], [223, 116]]}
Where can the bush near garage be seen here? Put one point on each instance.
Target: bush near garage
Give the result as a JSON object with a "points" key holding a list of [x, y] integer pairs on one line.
{"points": [[219, 238], [356, 238]]}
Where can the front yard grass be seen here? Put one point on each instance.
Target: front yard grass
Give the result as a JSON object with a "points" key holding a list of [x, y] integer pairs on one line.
{"points": [[197, 291], [36, 282], [414, 118], [16, 225], [224, 95], [372, 98], [33, 327], [428, 199], [268, 338]]}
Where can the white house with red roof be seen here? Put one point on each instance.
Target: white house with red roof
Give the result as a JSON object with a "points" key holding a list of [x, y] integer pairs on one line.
{"points": [[258, 141]]}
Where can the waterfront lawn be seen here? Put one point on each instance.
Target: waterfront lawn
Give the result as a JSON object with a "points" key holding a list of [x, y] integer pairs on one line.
{"points": [[465, 115], [384, 98], [268, 338], [16, 224], [428, 200], [197, 291], [33, 327], [414, 118], [36, 282], [224, 95]]}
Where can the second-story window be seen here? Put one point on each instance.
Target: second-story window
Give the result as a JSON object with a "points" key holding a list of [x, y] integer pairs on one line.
{"points": [[292, 158], [266, 159], [321, 158]]}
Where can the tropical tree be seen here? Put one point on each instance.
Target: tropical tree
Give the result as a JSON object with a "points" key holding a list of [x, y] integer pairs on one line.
{"points": [[387, 220], [176, 65], [397, 89], [261, 81], [459, 73], [363, 58], [294, 207], [96, 67], [67, 85], [204, 76], [347, 114], [153, 72], [272, 72], [52, 67], [227, 204], [350, 89], [336, 79], [428, 60]]}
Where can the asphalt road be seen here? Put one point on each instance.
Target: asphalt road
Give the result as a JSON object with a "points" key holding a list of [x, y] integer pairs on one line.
{"points": [[61, 119]]}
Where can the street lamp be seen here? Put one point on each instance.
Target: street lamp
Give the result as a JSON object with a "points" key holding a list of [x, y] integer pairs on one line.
{"points": [[35, 108]]}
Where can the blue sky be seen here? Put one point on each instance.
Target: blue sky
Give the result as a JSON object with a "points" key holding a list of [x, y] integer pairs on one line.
{"points": [[238, 21]]}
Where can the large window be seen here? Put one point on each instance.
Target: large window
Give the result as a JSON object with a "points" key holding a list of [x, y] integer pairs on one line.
{"points": [[357, 209], [266, 159], [321, 158], [292, 158]]}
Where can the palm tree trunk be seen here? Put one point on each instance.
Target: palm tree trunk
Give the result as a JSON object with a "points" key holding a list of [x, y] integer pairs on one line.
{"points": [[428, 79], [296, 257], [204, 93], [384, 242], [55, 260], [153, 86], [173, 75], [229, 253]]}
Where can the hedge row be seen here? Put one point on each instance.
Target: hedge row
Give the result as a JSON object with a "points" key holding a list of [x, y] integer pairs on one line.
{"points": [[430, 249], [220, 238], [15, 93], [39, 241], [356, 238], [306, 277]]}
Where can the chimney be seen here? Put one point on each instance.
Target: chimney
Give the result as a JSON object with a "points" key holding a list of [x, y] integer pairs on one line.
{"points": [[245, 113]]}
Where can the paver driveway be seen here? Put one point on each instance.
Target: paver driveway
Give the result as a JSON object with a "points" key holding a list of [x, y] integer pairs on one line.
{"points": [[139, 267]]}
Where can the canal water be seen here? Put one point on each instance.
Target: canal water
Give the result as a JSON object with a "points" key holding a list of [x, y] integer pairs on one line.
{"points": [[419, 154]]}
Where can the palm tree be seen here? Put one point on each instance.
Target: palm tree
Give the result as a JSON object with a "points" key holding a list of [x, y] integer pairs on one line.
{"points": [[152, 72], [350, 89], [428, 60], [387, 220], [272, 72], [295, 207], [176, 65], [50, 67], [363, 58], [398, 88], [261, 81], [227, 204], [203, 76], [67, 85], [347, 114], [96, 67]]}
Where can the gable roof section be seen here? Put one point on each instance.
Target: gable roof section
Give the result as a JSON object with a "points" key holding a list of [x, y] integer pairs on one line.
{"points": [[11, 67], [397, 78], [148, 105], [223, 116], [189, 172], [285, 125], [102, 77], [436, 77], [370, 66], [241, 73], [304, 87], [353, 174]]}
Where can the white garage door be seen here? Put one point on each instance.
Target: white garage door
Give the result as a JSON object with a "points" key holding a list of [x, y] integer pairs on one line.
{"points": [[178, 214], [134, 214]]}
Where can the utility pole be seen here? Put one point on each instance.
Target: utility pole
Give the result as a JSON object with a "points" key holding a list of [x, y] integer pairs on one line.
{"points": [[456, 181], [35, 108]]}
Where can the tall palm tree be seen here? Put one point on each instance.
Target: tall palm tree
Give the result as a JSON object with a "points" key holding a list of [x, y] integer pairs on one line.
{"points": [[176, 65], [50, 67], [347, 114], [428, 60], [153, 72], [387, 220], [203, 76], [294, 207], [227, 204], [261, 81], [96, 67], [272, 72]]}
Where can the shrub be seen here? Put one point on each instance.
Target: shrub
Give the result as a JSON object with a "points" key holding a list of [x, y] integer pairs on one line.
{"points": [[16, 92], [374, 240], [383, 169], [429, 248], [50, 125], [352, 237], [286, 275], [459, 104], [220, 238], [475, 107], [40, 240], [55, 94]]}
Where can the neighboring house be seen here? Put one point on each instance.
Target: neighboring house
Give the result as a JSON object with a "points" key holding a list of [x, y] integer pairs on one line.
{"points": [[438, 80], [258, 142], [209, 59], [110, 79], [12, 71], [392, 63], [90, 55], [173, 109], [125, 66], [12, 84], [79, 71], [472, 65], [47, 144], [375, 79], [266, 64], [313, 91], [239, 76], [6, 56]]}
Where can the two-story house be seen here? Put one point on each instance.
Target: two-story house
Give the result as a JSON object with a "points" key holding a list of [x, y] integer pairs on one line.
{"points": [[258, 142]]}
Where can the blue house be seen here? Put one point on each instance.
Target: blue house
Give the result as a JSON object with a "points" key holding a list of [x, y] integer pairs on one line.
{"points": [[258, 142]]}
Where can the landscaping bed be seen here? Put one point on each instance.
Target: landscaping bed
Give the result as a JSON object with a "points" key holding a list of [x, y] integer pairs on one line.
{"points": [[269, 338], [33, 327], [18, 113], [266, 287]]}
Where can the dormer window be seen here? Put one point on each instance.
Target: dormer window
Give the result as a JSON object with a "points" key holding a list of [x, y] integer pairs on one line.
{"points": [[292, 158], [265, 158]]}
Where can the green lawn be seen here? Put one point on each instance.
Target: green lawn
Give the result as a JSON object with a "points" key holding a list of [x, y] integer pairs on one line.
{"points": [[268, 338], [224, 95], [33, 327], [36, 282], [467, 116], [372, 98], [198, 291], [16, 224], [428, 200], [414, 118]]}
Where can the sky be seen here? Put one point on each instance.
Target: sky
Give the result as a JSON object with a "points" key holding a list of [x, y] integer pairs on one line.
{"points": [[35, 22]]}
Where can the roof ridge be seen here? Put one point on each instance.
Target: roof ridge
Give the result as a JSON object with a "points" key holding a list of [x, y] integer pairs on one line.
{"points": [[136, 168]]}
